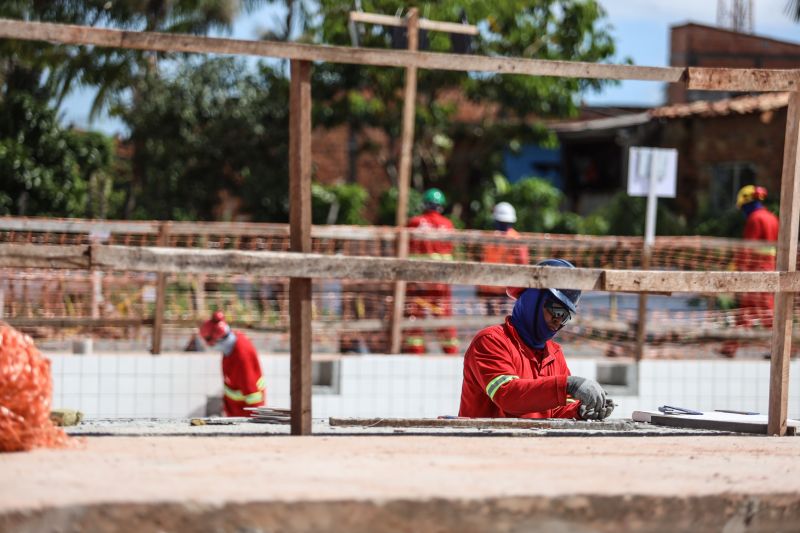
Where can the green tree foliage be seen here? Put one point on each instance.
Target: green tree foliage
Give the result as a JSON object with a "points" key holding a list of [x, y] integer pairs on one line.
{"points": [[544, 29], [793, 9], [537, 202], [625, 215], [47, 170], [338, 204], [112, 70], [212, 127]]}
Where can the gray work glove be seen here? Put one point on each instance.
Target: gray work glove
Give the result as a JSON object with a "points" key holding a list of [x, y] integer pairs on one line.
{"points": [[606, 411], [590, 394]]}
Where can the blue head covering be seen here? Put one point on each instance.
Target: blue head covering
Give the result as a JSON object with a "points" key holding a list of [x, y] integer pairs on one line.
{"points": [[528, 318], [751, 206]]}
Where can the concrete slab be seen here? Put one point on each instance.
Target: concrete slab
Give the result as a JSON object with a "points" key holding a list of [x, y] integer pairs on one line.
{"points": [[414, 483]]}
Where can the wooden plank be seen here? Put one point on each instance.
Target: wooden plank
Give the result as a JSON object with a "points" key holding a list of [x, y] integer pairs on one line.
{"points": [[69, 225], [282, 264], [702, 282], [483, 423], [44, 256], [404, 180], [786, 262], [744, 79], [300, 235], [84, 35], [424, 24], [713, 420], [161, 295], [75, 322]]}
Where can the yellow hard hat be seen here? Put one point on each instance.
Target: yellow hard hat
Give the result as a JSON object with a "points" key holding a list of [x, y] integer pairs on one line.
{"points": [[750, 193]]}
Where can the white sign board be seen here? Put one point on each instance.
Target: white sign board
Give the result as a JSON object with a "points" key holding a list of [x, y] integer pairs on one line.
{"points": [[660, 164]]}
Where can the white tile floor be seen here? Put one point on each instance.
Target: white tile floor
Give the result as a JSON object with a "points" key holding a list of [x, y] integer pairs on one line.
{"points": [[178, 384]]}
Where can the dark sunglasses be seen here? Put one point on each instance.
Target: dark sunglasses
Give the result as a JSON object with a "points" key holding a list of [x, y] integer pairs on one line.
{"points": [[558, 311]]}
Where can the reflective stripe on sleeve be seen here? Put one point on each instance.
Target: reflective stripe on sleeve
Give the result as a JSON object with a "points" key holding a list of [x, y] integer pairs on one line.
{"points": [[261, 384], [415, 341], [255, 397], [767, 250], [496, 383], [234, 395]]}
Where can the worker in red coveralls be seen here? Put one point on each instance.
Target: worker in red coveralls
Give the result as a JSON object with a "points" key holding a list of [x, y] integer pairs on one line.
{"points": [[430, 299], [516, 370], [755, 308], [244, 384], [505, 216]]}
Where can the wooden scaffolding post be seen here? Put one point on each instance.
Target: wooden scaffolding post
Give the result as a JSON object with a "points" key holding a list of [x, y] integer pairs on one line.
{"points": [[300, 237], [161, 295], [404, 177], [786, 262], [413, 24]]}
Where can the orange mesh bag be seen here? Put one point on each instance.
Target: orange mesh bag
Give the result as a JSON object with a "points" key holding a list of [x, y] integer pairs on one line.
{"points": [[26, 388]]}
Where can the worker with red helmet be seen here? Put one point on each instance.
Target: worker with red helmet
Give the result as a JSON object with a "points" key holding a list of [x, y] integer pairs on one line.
{"points": [[505, 216], [755, 308], [244, 384], [516, 370], [430, 299]]}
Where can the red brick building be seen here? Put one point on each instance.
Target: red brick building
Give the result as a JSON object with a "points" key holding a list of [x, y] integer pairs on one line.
{"points": [[721, 145], [724, 139], [696, 45]]}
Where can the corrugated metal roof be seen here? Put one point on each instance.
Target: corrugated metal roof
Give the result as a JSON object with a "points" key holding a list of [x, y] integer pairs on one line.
{"points": [[729, 106]]}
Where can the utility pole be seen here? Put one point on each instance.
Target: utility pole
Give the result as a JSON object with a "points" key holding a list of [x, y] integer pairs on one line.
{"points": [[413, 24]]}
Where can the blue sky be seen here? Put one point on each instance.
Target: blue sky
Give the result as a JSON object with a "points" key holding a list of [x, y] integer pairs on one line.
{"points": [[640, 27]]}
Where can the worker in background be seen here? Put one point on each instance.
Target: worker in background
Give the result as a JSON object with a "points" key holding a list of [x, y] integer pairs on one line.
{"points": [[755, 308], [505, 216], [426, 300], [244, 384], [516, 370]]}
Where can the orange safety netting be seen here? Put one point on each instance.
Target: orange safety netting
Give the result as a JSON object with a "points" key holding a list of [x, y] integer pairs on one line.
{"points": [[25, 392]]}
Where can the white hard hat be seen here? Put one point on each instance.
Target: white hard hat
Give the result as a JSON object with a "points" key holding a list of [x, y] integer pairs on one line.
{"points": [[504, 212]]}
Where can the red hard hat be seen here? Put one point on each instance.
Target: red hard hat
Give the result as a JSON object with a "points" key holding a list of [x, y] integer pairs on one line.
{"points": [[214, 328]]}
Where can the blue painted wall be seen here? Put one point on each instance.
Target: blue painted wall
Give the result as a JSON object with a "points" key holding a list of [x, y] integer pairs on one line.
{"points": [[534, 161]]}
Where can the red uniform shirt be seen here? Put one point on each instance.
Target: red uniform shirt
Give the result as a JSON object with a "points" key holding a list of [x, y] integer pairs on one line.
{"points": [[431, 220], [503, 253], [761, 225], [504, 378], [244, 383]]}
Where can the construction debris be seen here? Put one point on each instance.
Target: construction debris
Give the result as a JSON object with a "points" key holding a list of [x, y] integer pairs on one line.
{"points": [[269, 415], [66, 417]]}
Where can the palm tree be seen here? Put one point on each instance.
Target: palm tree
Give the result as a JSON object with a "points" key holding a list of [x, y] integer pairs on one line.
{"points": [[114, 71], [793, 9]]}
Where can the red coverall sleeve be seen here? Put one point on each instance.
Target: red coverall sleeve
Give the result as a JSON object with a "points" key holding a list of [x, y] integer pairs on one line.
{"points": [[745, 260], [516, 396], [252, 381]]}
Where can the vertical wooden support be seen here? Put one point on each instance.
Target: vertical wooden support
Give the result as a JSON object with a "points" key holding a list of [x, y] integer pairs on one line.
{"points": [[161, 295], [300, 241], [404, 177], [641, 320], [786, 262], [96, 292]]}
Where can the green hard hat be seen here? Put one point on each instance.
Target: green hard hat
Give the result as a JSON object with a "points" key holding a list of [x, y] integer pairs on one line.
{"points": [[434, 196]]}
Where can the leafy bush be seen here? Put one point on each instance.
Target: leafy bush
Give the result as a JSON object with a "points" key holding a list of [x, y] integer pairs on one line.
{"points": [[338, 204]]}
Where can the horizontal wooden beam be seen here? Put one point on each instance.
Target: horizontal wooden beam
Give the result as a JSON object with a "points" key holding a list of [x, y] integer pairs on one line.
{"points": [[74, 322], [424, 24], [309, 265], [44, 256], [746, 80], [707, 282]]}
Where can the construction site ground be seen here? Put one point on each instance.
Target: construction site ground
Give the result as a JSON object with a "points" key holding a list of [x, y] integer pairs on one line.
{"points": [[167, 475]]}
